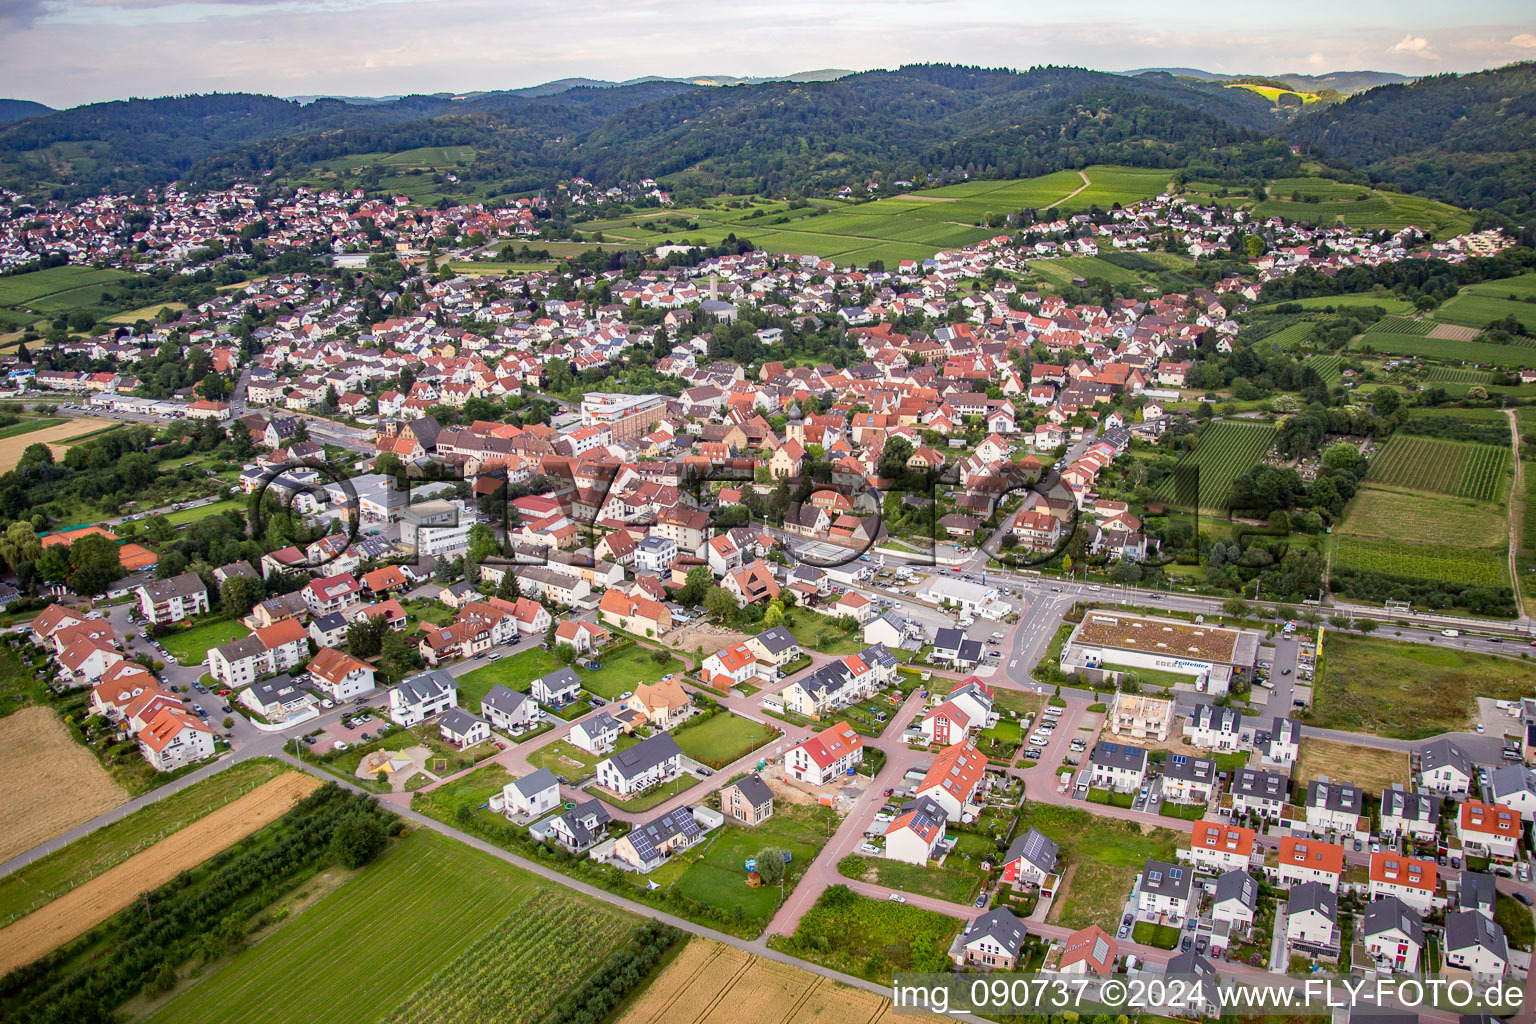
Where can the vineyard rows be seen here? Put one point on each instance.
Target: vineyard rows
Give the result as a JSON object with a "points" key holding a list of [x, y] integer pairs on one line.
{"points": [[1401, 325], [1330, 368], [1456, 375], [1225, 451], [1482, 567], [1466, 470], [520, 969]]}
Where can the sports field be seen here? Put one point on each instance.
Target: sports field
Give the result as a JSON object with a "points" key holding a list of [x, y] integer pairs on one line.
{"points": [[1458, 468], [1225, 450], [429, 915]]}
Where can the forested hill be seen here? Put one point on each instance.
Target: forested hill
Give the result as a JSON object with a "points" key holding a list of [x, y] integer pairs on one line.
{"points": [[1464, 139], [15, 110]]}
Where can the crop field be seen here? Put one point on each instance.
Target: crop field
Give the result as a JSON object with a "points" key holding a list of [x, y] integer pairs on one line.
{"points": [[1273, 94], [52, 782], [53, 436], [1478, 305], [711, 983], [58, 289], [1401, 325], [430, 157], [1361, 207], [1377, 513], [1354, 300], [86, 906], [1480, 352], [1226, 450], [1458, 468], [1476, 566], [382, 935], [545, 947], [1437, 374], [1292, 336], [1330, 368], [45, 879], [1409, 691]]}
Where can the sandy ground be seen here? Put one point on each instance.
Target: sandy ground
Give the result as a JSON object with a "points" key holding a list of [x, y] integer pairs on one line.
{"points": [[12, 447], [713, 984], [85, 906], [52, 783], [711, 638]]}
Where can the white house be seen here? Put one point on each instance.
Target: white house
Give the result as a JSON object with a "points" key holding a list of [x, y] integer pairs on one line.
{"points": [[1475, 945], [1514, 787], [509, 710], [595, 735], [419, 697], [915, 835], [1165, 892], [1117, 766], [173, 738], [1236, 899], [1214, 728], [1336, 807], [1393, 934], [1309, 860], [557, 689], [532, 795], [1413, 814], [1489, 829], [340, 675], [1446, 769], [826, 756], [1218, 848], [173, 600], [462, 729], [1409, 879], [1258, 792], [650, 762], [1312, 917]]}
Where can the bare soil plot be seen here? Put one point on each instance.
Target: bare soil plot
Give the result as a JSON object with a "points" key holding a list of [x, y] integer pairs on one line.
{"points": [[1367, 767], [710, 983], [12, 447], [86, 906], [52, 783], [699, 634], [1454, 333]]}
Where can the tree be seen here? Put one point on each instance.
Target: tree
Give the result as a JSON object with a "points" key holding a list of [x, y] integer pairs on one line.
{"points": [[159, 530], [507, 590], [774, 616], [94, 565], [1340, 621], [1367, 625], [37, 454], [1235, 607], [770, 865], [358, 839], [695, 586], [397, 655], [720, 605], [565, 653], [1386, 400], [19, 544], [365, 636], [239, 594]]}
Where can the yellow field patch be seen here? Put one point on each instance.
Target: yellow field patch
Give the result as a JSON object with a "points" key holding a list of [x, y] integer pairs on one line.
{"points": [[52, 783]]}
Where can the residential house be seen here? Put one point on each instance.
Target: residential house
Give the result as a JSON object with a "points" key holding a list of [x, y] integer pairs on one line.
{"points": [[1393, 934], [1488, 830], [747, 800], [557, 689], [1406, 878], [1165, 893], [1445, 768], [1214, 728], [1279, 745], [331, 594], [1309, 860], [462, 729], [665, 705], [597, 734], [1336, 807], [648, 846], [1259, 793], [916, 833], [1236, 900], [635, 614], [1031, 859], [1142, 717], [1188, 780], [774, 648], [581, 827], [329, 630], [1312, 919], [1117, 767], [826, 756], [173, 738], [419, 697], [994, 941], [1412, 814], [509, 710], [340, 675], [1475, 945], [955, 780], [163, 602], [1514, 786], [1087, 951], [1219, 848], [533, 795], [272, 649], [649, 763], [277, 699]]}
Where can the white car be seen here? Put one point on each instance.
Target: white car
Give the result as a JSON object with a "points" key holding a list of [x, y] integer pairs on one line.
{"points": [[896, 897], [1037, 740], [341, 745], [869, 849], [882, 816], [326, 702]]}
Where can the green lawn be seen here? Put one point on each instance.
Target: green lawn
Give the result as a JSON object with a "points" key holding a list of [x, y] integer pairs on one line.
{"points": [[383, 937], [195, 515], [940, 883], [563, 758], [630, 667], [1515, 919], [515, 671], [1106, 853], [715, 872], [190, 646], [722, 739], [646, 801], [820, 633], [43, 880], [29, 424], [871, 938], [1409, 691], [624, 670], [1160, 935]]}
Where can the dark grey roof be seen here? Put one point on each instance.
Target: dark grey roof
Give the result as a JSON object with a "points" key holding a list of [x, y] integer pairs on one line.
{"points": [[425, 686], [1002, 927], [878, 656], [645, 755], [1511, 780], [1190, 769], [457, 721], [1391, 912], [1477, 890], [1212, 717], [1033, 846], [1163, 879], [1467, 928], [1259, 784], [239, 650], [278, 689], [777, 640], [1118, 755], [754, 790], [1192, 963], [970, 650], [1238, 885], [1400, 803], [600, 722], [503, 699], [1344, 797], [559, 679], [947, 638], [1444, 752], [584, 820], [1313, 896], [677, 822], [330, 621], [536, 782]]}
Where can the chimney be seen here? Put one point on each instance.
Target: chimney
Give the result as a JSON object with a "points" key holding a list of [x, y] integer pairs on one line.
{"points": [[714, 288]]}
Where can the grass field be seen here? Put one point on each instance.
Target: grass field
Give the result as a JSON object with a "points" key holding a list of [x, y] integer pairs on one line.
{"points": [[30, 887], [390, 932], [1477, 566], [1380, 514], [722, 739], [1090, 268], [1410, 691], [1350, 301], [1478, 305], [190, 646], [59, 290], [1360, 207], [53, 783], [1371, 768], [1226, 450], [619, 672], [1104, 855], [1458, 468], [1480, 352], [873, 938], [194, 515], [940, 883]]}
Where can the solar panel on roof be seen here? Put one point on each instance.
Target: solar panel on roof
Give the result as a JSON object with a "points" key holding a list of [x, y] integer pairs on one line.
{"points": [[1100, 950]]}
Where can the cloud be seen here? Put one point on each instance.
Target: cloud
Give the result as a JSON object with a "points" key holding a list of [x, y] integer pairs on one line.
{"points": [[1525, 40], [1414, 46], [1317, 59]]}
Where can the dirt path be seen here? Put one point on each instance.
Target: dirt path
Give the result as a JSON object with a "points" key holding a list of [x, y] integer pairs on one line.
{"points": [[1516, 505], [1084, 185], [87, 905]]}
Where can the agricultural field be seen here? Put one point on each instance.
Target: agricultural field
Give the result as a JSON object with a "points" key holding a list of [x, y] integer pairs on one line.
{"points": [[1225, 450], [52, 782], [55, 436], [1273, 93], [1377, 513], [1483, 353], [1409, 691], [1401, 325], [710, 983], [722, 739], [510, 973], [389, 931], [87, 905], [1060, 272], [1293, 336], [1330, 368], [1437, 374], [47, 293], [45, 879], [1353, 300], [1478, 305], [1360, 207], [1458, 468], [1482, 567]]}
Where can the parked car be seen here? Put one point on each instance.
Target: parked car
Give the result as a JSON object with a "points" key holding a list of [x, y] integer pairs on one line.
{"points": [[342, 745], [327, 703], [897, 897]]}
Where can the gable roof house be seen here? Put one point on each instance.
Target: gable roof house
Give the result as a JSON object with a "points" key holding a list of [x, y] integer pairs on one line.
{"points": [[1393, 934], [649, 845], [419, 697], [1031, 859], [648, 763], [994, 941]]}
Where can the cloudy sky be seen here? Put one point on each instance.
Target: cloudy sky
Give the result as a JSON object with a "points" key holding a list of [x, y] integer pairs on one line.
{"points": [[64, 52]]}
